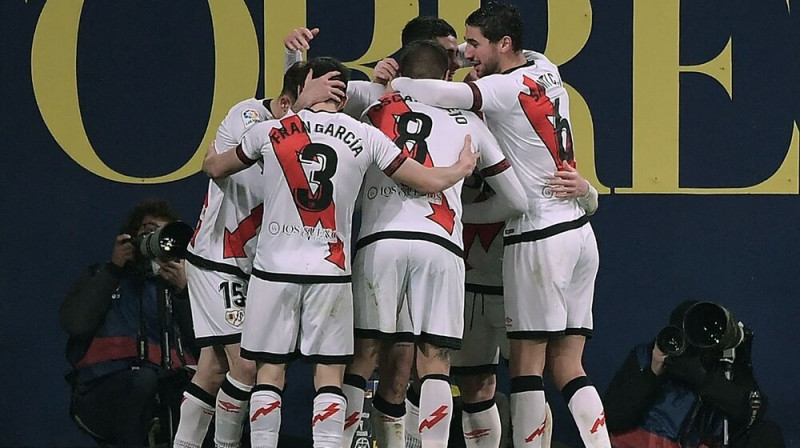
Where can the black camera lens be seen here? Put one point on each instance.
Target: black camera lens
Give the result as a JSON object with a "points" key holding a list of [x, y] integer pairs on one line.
{"points": [[165, 243], [710, 326], [670, 340]]}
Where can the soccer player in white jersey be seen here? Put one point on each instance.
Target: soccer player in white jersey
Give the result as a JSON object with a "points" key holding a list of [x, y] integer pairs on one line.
{"points": [[410, 245], [300, 296], [550, 259], [219, 259]]}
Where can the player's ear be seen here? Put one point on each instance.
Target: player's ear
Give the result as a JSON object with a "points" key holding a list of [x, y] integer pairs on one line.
{"points": [[284, 102], [342, 103], [506, 45]]}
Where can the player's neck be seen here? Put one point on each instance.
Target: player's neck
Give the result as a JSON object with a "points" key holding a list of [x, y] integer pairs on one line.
{"points": [[512, 60], [327, 106]]}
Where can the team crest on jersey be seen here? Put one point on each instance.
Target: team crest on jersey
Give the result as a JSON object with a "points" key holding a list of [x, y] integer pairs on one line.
{"points": [[234, 317], [250, 116]]}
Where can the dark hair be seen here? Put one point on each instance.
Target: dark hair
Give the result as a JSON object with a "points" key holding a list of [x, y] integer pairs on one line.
{"points": [[425, 28], [158, 208], [293, 79], [497, 20], [424, 59], [325, 64]]}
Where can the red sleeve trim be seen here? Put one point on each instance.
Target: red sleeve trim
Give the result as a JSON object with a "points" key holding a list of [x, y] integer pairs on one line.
{"points": [[395, 165], [495, 169], [477, 98], [243, 157]]}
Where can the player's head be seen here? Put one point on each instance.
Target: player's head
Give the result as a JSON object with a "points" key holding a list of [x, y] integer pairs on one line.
{"points": [[493, 31], [292, 81], [424, 59], [436, 29], [322, 65]]}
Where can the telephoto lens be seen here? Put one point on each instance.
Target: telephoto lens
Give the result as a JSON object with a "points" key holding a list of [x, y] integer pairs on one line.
{"points": [[709, 326], [670, 341], [165, 243]]}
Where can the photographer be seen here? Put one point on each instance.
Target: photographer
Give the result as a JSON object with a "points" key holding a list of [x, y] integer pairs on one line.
{"points": [[691, 387], [129, 323]]}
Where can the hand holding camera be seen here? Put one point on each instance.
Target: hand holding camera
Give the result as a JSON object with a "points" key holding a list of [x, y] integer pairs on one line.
{"points": [[123, 251]]}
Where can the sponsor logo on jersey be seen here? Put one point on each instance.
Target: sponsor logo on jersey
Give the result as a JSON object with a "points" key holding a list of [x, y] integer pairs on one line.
{"points": [[312, 233], [404, 191]]}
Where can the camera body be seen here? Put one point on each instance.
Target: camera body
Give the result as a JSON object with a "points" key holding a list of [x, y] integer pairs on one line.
{"points": [[704, 326]]}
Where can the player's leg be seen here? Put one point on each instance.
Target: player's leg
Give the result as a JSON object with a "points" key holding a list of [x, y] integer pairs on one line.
{"points": [[233, 399], [564, 354], [378, 286], [475, 363], [436, 301], [533, 300], [270, 338], [208, 313], [326, 338], [389, 408]]}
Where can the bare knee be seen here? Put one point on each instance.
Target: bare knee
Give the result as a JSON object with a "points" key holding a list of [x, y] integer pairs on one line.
{"points": [[477, 388]]}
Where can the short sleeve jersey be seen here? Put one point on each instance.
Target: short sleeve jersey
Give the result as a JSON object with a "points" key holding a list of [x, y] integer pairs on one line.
{"points": [[433, 137], [314, 164], [228, 224], [527, 110]]}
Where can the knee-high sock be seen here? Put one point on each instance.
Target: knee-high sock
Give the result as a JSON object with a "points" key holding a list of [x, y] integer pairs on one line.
{"points": [[388, 422], [435, 411], [197, 410], [587, 410], [265, 416], [481, 423], [233, 399], [327, 424], [412, 419], [354, 387], [528, 411]]}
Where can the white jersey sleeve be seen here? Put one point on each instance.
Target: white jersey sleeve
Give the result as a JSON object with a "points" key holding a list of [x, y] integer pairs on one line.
{"points": [[360, 94], [254, 141], [239, 120], [383, 152], [436, 92]]}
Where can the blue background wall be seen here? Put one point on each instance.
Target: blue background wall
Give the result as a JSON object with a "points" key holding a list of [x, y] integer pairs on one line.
{"points": [[145, 82]]}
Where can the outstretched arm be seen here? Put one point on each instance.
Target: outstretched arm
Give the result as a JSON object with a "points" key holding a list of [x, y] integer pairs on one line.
{"points": [[434, 180]]}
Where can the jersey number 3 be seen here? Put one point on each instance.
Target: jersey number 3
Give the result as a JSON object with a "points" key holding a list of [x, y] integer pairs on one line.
{"points": [[312, 193]]}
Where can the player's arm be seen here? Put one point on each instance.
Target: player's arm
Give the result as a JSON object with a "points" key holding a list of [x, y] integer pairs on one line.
{"points": [[318, 90], [510, 199], [217, 165], [360, 94], [295, 43], [568, 183], [493, 94], [426, 179]]}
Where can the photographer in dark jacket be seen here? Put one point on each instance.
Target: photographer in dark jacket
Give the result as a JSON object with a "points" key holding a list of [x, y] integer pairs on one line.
{"points": [[129, 323], [691, 387]]}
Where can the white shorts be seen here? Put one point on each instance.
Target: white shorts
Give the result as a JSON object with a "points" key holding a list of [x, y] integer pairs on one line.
{"points": [[390, 272], [549, 285], [484, 335], [314, 320], [218, 301]]}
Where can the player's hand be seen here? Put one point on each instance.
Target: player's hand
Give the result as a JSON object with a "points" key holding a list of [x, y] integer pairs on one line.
{"points": [[568, 183], [173, 272], [298, 39], [123, 251], [320, 90], [468, 158], [385, 70]]}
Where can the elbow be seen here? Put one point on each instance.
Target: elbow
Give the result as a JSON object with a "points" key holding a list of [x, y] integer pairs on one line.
{"points": [[211, 171]]}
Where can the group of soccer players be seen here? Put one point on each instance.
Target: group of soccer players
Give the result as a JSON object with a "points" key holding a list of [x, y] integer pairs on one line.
{"points": [[419, 291]]}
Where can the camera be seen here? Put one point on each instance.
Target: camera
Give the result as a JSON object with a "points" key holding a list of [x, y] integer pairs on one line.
{"points": [[165, 243], [705, 326]]}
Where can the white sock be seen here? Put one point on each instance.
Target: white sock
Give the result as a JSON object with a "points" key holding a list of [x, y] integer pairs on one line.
{"points": [[265, 416], [233, 399], [481, 423], [528, 411], [435, 411], [353, 388], [412, 419], [197, 410], [388, 423], [587, 410], [327, 424]]}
